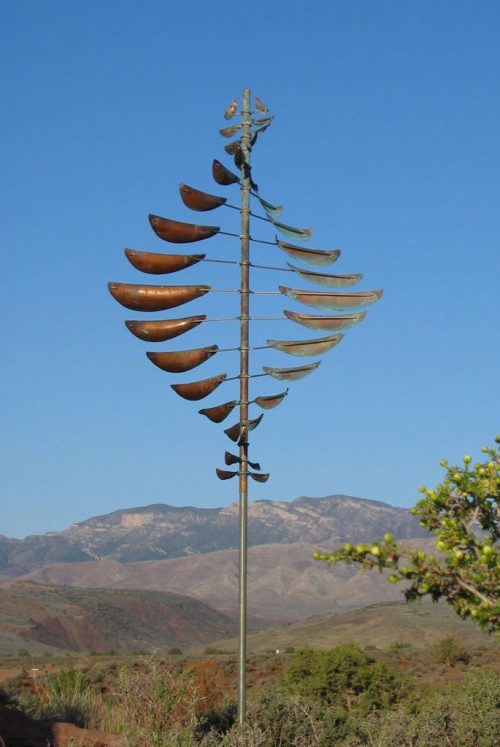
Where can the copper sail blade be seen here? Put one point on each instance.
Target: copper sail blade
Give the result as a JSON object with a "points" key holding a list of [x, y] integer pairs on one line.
{"points": [[229, 131], [270, 401], [161, 264], [317, 257], [201, 201], [224, 474], [259, 476], [326, 323], [220, 412], [306, 348], [235, 430], [273, 211], [165, 329], [180, 233], [182, 360], [330, 281], [232, 459], [300, 234], [222, 175], [332, 301], [197, 390], [291, 374], [155, 297]]}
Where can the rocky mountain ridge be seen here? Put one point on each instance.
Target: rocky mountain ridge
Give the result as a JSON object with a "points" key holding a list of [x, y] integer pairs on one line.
{"points": [[161, 531]]}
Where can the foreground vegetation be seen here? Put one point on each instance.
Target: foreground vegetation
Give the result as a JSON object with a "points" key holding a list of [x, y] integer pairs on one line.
{"points": [[342, 697], [463, 514]]}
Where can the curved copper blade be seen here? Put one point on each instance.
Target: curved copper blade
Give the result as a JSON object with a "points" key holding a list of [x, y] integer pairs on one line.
{"points": [[331, 281], [318, 257], [332, 301], [161, 264], [180, 233], [326, 323], [270, 401], [273, 211], [201, 201], [232, 459], [155, 297], [182, 360], [222, 175], [300, 234], [235, 430], [291, 374], [220, 412], [164, 329], [306, 348], [224, 474], [259, 476], [229, 131], [231, 148], [197, 390]]}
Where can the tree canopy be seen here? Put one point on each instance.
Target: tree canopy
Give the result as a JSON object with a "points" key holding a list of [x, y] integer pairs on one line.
{"points": [[463, 513]]}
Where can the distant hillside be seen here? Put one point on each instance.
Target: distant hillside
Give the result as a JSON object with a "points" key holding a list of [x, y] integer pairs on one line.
{"points": [[159, 531], [36, 618], [417, 624], [284, 583]]}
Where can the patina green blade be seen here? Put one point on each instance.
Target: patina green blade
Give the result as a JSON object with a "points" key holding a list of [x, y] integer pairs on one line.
{"points": [[325, 323], [271, 400], [299, 234], [332, 301], [235, 431], [306, 348], [317, 257], [322, 278], [273, 211], [291, 374]]}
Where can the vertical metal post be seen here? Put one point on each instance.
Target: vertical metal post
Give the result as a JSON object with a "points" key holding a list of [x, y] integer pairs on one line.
{"points": [[244, 344]]}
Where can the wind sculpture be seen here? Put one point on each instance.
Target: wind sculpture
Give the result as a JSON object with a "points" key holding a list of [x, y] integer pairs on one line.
{"points": [[152, 298]]}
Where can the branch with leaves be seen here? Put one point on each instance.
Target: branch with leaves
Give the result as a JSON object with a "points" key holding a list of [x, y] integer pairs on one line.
{"points": [[463, 513]]}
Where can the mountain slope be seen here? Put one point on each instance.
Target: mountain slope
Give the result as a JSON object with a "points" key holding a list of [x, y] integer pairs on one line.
{"points": [[160, 531], [35, 616]]}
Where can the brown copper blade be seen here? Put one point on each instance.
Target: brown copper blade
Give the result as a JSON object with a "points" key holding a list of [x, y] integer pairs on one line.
{"points": [[332, 301], [220, 412], [164, 329], [182, 360], [259, 476], [231, 148], [180, 233], [201, 201], [224, 474], [229, 131], [330, 281], [232, 459], [222, 175], [306, 348], [318, 257], [270, 401], [326, 323], [197, 390], [235, 430], [161, 264], [291, 374], [155, 297]]}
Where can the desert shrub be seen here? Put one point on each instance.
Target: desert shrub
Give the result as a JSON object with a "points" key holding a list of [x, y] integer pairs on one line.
{"points": [[174, 651], [347, 677], [69, 696], [449, 651]]}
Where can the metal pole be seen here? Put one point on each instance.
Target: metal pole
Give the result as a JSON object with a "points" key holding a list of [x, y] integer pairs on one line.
{"points": [[244, 345]]}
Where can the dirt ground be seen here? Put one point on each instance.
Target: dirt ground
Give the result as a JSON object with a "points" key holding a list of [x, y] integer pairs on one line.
{"points": [[18, 730]]}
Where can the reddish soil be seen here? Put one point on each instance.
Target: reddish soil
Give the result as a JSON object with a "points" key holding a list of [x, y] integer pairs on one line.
{"points": [[18, 730]]}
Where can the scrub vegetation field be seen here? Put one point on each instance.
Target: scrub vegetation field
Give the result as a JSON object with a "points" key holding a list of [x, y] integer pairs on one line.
{"points": [[446, 693]]}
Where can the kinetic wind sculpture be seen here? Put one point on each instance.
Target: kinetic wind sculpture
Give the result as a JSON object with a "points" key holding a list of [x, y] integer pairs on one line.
{"points": [[148, 298]]}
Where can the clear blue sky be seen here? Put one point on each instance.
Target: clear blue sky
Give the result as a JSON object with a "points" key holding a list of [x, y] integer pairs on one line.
{"points": [[386, 142]]}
